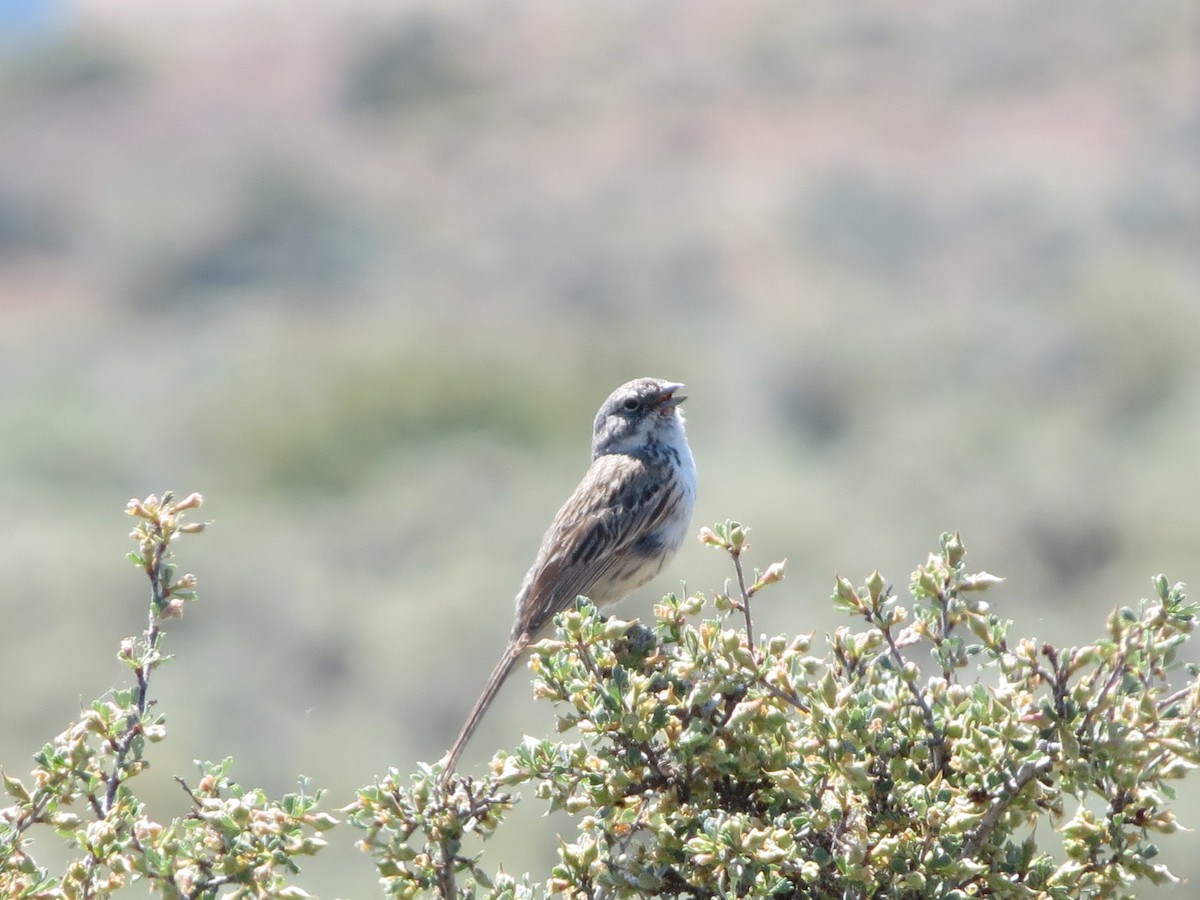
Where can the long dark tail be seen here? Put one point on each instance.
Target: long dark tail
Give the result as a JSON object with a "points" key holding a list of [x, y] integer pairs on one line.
{"points": [[512, 653]]}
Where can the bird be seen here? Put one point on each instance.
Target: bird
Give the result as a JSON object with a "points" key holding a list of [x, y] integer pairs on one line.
{"points": [[620, 528]]}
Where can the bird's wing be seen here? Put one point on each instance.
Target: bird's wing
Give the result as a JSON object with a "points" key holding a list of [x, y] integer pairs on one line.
{"points": [[617, 503]]}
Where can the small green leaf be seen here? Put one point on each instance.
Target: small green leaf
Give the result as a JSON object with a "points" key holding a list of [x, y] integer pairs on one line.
{"points": [[15, 788]]}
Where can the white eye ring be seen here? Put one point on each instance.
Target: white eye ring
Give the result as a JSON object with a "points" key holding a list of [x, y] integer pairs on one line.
{"points": [[631, 404]]}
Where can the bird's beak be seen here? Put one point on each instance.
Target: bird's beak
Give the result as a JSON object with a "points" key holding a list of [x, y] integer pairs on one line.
{"points": [[668, 399]]}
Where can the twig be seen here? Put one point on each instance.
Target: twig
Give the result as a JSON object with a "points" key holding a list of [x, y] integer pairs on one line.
{"points": [[159, 592], [1118, 671], [937, 741], [1025, 774], [945, 625], [187, 790], [745, 604], [1168, 701], [445, 876], [791, 698]]}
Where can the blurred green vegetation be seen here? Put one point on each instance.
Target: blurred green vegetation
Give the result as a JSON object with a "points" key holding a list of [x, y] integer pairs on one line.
{"points": [[328, 425], [417, 62], [362, 275]]}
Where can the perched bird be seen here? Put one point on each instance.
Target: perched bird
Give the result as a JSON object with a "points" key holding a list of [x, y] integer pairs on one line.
{"points": [[625, 521]]}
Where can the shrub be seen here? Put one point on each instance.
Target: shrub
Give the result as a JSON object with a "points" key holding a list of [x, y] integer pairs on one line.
{"points": [[917, 752]]}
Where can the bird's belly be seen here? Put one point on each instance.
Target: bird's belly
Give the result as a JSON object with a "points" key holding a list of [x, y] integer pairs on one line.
{"points": [[646, 558]]}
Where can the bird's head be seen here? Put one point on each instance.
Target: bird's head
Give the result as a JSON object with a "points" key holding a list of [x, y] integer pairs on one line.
{"points": [[638, 416]]}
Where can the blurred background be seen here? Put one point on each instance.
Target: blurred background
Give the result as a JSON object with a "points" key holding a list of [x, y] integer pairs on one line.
{"points": [[362, 272]]}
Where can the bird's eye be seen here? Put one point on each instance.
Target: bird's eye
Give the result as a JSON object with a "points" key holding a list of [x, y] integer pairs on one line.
{"points": [[631, 404]]}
